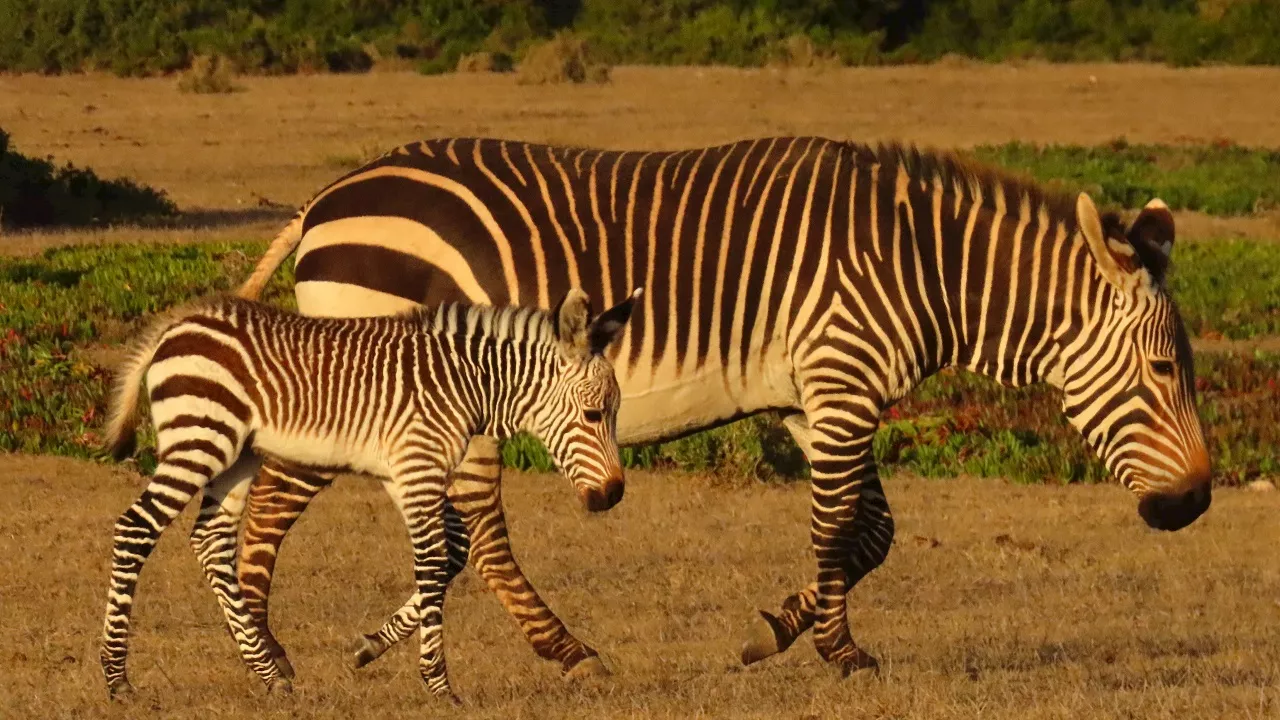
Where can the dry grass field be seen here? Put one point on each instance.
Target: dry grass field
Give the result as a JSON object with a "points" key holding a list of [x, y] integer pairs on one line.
{"points": [[998, 601], [238, 163]]}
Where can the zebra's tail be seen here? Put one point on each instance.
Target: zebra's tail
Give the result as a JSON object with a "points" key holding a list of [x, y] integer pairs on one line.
{"points": [[280, 248], [122, 420]]}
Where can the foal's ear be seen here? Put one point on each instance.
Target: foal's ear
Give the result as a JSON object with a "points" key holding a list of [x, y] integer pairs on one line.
{"points": [[608, 327], [572, 319]]}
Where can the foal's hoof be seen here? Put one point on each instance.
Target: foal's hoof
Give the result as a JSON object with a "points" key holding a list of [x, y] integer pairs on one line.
{"points": [[861, 665], [586, 669], [765, 638], [371, 648], [121, 690], [280, 686]]}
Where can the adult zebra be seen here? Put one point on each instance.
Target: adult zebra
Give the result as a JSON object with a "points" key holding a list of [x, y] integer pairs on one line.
{"points": [[818, 277]]}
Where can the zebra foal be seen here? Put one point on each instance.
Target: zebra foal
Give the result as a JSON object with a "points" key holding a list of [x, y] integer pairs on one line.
{"points": [[396, 397]]}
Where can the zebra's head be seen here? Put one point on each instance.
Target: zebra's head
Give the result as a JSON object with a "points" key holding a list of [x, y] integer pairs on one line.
{"points": [[1127, 379], [576, 414]]}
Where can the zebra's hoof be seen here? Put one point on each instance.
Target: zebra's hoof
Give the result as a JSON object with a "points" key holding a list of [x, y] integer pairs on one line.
{"points": [[371, 648], [765, 638], [121, 690], [861, 665], [280, 686], [586, 668]]}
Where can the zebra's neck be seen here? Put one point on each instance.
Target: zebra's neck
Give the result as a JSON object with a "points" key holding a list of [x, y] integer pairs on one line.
{"points": [[987, 270]]}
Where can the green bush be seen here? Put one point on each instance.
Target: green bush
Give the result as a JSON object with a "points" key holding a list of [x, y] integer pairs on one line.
{"points": [[1219, 179], [59, 309], [35, 192], [156, 36]]}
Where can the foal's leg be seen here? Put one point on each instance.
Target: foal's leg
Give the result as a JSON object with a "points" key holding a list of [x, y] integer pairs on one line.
{"points": [[409, 617], [174, 483], [476, 491], [418, 490], [213, 538], [277, 498]]}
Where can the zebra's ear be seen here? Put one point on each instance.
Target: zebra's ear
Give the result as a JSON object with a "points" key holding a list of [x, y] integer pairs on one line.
{"points": [[1152, 238], [606, 329], [1117, 260], [572, 317]]}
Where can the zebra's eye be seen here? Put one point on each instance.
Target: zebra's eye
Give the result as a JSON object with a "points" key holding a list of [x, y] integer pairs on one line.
{"points": [[592, 416], [1163, 368]]}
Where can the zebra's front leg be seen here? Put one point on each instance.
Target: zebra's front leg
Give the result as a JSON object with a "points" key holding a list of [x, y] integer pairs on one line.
{"points": [[213, 538], [418, 489], [476, 491], [277, 498], [851, 530], [771, 634], [409, 617]]}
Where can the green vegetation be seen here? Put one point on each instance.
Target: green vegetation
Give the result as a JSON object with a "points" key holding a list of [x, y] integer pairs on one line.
{"points": [[148, 36], [36, 192], [1218, 179], [64, 310]]}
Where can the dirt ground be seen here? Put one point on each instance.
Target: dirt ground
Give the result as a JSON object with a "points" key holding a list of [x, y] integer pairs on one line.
{"points": [[251, 156], [998, 601]]}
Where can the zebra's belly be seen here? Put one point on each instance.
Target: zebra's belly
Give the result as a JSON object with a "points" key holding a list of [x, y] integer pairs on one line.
{"points": [[323, 451], [664, 402]]}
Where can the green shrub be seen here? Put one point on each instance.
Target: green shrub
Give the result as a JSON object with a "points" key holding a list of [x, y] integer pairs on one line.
{"points": [[1219, 179], [156, 36], [35, 193], [62, 308]]}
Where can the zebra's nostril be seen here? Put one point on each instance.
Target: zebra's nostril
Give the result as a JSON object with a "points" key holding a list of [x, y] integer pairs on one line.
{"points": [[615, 488], [1177, 510]]}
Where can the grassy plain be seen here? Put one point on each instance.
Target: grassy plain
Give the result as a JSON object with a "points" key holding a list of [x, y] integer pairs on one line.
{"points": [[998, 601]]}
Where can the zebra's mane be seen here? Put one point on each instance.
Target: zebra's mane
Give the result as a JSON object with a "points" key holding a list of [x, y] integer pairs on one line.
{"points": [[519, 324], [983, 183]]}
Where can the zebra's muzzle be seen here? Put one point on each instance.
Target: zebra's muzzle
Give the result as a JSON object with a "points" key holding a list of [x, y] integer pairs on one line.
{"points": [[604, 497], [1174, 511]]}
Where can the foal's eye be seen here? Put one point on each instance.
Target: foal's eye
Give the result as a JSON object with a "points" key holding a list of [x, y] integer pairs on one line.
{"points": [[1163, 368], [592, 416]]}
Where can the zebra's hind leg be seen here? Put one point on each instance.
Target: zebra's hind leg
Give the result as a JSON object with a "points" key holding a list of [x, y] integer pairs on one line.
{"points": [[277, 498], [178, 478], [213, 538], [408, 618]]}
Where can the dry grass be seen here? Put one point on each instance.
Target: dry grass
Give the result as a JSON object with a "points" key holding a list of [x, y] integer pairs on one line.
{"points": [[273, 139], [282, 138], [484, 62], [999, 601], [208, 74], [566, 58]]}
